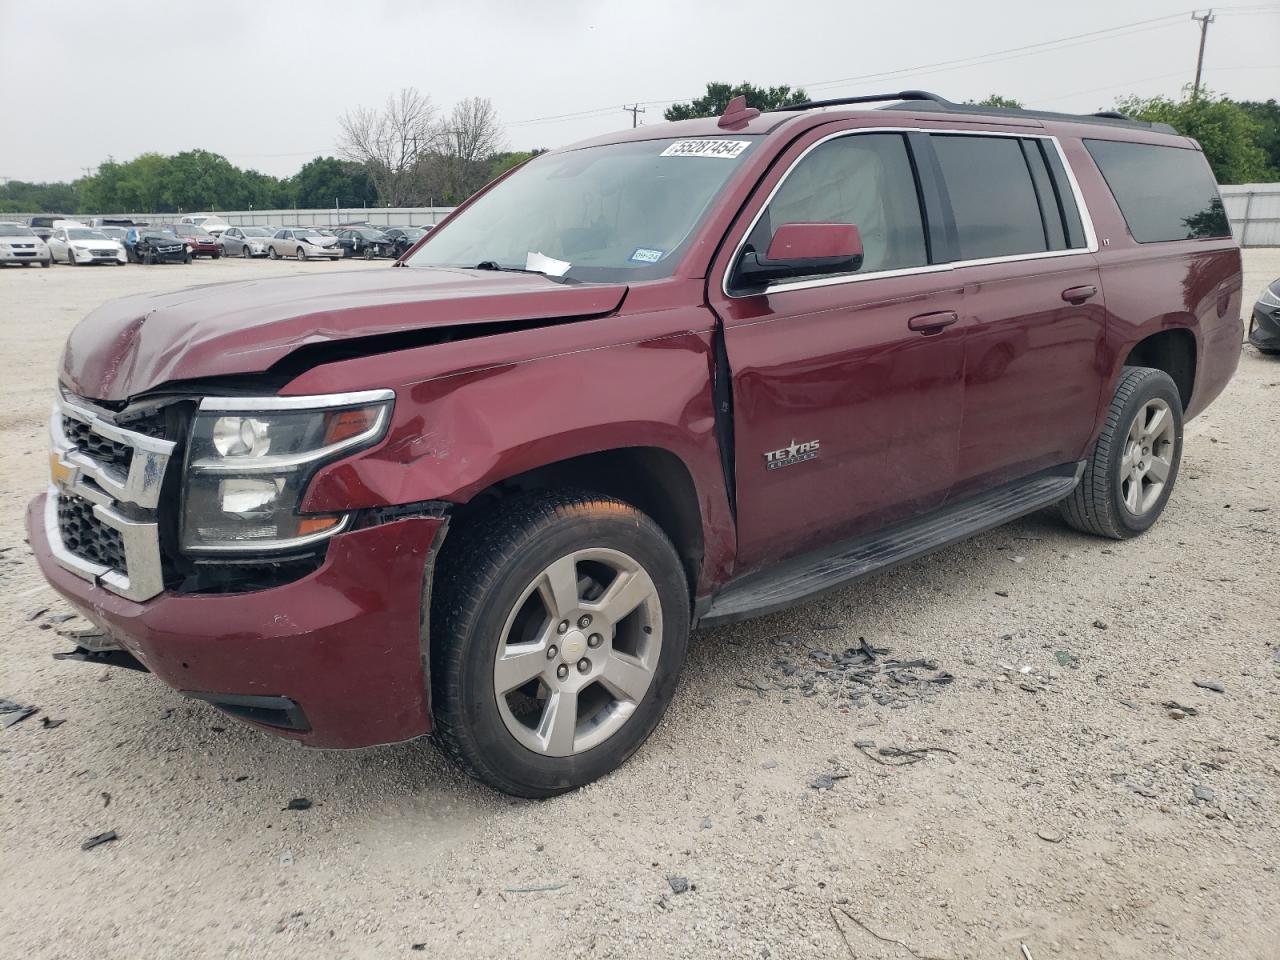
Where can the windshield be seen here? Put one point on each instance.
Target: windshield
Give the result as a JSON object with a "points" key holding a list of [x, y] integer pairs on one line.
{"points": [[255, 232], [617, 212], [86, 235], [15, 230], [369, 234]]}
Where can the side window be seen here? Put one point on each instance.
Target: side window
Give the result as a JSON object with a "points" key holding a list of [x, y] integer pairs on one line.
{"points": [[863, 179], [993, 196], [1165, 193]]}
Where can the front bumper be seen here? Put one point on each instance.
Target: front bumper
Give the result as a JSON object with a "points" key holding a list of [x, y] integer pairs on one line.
{"points": [[1264, 330], [345, 643], [23, 255]]}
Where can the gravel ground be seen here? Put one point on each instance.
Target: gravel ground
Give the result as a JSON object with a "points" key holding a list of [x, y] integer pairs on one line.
{"points": [[1074, 812]]}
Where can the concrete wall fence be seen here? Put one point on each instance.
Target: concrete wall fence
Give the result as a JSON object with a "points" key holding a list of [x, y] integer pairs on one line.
{"points": [[1254, 210]]}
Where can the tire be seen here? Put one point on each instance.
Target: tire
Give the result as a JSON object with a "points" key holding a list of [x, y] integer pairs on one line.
{"points": [[368, 253], [215, 255], [486, 591], [71, 257], [189, 258], [271, 254], [300, 254], [46, 263], [244, 252], [1118, 496]]}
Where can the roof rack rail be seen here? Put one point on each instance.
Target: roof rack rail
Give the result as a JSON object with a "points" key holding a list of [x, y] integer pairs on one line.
{"points": [[868, 98], [923, 100]]}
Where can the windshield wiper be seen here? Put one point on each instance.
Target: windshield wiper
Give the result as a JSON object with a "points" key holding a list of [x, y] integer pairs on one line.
{"points": [[494, 265]]}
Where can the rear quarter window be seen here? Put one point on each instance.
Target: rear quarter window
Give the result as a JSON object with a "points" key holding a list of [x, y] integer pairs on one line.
{"points": [[1165, 193]]}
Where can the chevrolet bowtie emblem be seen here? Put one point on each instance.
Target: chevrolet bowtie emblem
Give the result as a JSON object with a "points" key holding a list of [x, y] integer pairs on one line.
{"points": [[61, 473]]}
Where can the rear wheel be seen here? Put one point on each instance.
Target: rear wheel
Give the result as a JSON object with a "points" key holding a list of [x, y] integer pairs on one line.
{"points": [[559, 625], [1130, 474]]}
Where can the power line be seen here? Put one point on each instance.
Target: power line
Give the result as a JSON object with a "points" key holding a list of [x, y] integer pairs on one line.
{"points": [[634, 111], [1107, 33]]}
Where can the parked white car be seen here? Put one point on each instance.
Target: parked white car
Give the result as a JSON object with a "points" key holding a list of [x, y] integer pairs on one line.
{"points": [[210, 221], [303, 243], [19, 244], [244, 241], [81, 245]]}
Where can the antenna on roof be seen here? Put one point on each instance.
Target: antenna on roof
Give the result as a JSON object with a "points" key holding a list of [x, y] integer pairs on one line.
{"points": [[737, 114]]}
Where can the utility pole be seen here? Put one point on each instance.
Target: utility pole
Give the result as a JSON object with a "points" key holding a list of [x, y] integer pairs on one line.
{"points": [[634, 111], [1204, 21]]}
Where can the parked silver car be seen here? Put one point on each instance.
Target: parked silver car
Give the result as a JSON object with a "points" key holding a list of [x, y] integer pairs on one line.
{"points": [[244, 241], [303, 243]]}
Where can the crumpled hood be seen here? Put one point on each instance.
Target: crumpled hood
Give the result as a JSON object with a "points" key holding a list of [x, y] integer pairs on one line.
{"points": [[132, 345]]}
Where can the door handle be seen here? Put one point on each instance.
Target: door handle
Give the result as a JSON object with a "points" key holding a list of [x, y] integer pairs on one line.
{"points": [[1079, 294], [931, 323]]}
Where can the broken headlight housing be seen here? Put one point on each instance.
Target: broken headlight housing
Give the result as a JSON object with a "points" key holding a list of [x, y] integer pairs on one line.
{"points": [[249, 461]]}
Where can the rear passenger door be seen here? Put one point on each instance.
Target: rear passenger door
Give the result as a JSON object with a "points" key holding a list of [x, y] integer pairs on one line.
{"points": [[1034, 316]]}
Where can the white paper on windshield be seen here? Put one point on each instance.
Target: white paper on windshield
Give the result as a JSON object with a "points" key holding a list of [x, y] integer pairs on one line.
{"points": [[717, 149], [548, 265]]}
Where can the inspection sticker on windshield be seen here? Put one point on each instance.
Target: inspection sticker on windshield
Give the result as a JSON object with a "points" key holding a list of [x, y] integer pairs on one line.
{"points": [[720, 149], [646, 255]]}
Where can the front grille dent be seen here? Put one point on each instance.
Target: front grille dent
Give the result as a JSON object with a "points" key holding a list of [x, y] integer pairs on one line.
{"points": [[88, 537]]}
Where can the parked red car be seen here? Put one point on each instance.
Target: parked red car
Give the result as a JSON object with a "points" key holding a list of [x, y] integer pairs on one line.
{"points": [[200, 241], [670, 377]]}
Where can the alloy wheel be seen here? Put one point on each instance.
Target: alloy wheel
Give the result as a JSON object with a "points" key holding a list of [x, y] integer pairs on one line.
{"points": [[578, 652], [1148, 456]]}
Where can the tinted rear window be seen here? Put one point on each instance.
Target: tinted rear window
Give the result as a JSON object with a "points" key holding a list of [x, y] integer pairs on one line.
{"points": [[1165, 193], [994, 200]]}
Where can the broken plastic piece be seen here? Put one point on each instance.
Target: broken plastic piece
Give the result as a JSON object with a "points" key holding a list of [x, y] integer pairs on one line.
{"points": [[98, 840], [12, 712]]}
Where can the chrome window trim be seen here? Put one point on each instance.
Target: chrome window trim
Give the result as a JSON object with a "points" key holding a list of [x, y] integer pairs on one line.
{"points": [[312, 402], [1086, 220]]}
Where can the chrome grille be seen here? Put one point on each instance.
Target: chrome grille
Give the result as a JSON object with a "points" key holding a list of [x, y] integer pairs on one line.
{"points": [[100, 516]]}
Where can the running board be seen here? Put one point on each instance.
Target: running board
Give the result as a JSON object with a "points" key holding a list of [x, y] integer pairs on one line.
{"points": [[806, 577]]}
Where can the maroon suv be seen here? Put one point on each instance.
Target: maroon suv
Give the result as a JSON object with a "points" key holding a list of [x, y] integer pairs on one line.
{"points": [[676, 376], [199, 241]]}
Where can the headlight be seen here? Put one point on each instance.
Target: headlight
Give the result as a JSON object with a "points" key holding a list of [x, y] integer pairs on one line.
{"points": [[249, 462]]}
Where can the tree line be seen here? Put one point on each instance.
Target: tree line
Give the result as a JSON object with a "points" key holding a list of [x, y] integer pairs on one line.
{"points": [[403, 153], [406, 152]]}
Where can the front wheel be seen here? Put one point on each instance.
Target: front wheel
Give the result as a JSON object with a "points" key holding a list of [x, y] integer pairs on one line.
{"points": [[71, 257], [300, 253], [559, 624], [244, 252], [1130, 474]]}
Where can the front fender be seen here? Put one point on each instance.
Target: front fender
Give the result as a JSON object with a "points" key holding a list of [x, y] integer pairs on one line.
{"points": [[453, 436]]}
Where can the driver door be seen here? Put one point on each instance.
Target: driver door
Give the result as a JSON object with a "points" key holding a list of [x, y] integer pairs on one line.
{"points": [[848, 388]]}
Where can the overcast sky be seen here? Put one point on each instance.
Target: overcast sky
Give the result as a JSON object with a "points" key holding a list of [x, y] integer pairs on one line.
{"points": [[264, 83]]}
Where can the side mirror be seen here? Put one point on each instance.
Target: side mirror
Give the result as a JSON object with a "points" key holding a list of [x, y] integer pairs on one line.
{"points": [[803, 250]]}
